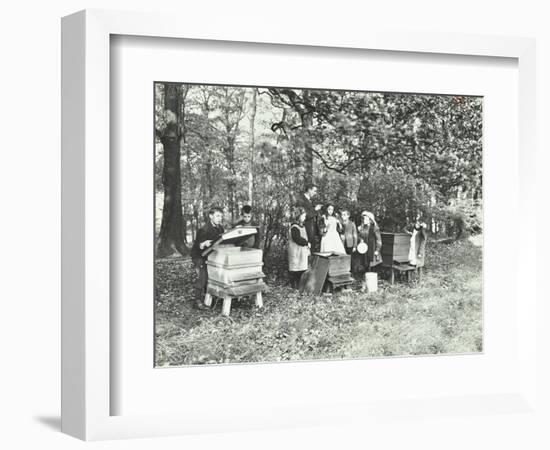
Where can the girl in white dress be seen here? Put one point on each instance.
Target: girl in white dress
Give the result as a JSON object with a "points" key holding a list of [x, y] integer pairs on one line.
{"points": [[331, 241]]}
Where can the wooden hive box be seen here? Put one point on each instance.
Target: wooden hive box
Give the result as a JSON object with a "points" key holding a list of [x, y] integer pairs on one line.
{"points": [[339, 268], [235, 270], [230, 265], [395, 248]]}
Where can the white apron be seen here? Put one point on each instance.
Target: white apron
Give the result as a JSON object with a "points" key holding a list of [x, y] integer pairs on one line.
{"points": [[297, 254]]}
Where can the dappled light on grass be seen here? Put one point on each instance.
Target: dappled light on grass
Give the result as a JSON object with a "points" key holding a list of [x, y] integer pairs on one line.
{"points": [[442, 313]]}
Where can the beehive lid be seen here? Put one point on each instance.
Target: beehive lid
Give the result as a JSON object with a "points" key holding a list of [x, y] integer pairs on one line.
{"points": [[235, 236]]}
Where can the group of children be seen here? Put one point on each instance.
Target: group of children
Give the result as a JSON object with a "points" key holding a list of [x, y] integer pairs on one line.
{"points": [[338, 235]]}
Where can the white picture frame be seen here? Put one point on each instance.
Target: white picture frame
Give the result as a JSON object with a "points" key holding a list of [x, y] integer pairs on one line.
{"points": [[86, 219]]}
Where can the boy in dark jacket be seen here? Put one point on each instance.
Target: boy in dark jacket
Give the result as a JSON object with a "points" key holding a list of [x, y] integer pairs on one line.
{"points": [[246, 221], [206, 236], [349, 233]]}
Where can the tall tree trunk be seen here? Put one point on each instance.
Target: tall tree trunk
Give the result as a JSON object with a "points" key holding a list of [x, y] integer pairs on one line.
{"points": [[206, 186], [251, 155], [206, 170], [172, 230], [230, 156], [233, 112], [307, 122], [188, 178]]}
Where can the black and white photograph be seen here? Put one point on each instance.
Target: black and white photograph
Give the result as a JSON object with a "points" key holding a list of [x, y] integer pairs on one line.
{"points": [[280, 225], [301, 223]]}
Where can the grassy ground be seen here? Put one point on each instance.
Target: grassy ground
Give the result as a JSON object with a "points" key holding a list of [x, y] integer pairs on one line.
{"points": [[442, 313]]}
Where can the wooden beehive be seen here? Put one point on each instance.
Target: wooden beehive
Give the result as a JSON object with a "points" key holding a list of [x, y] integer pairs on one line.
{"points": [[230, 265], [395, 248], [234, 270], [339, 268]]}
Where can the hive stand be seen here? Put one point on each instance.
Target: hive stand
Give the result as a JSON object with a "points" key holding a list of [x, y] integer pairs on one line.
{"points": [[407, 269], [228, 295], [395, 255]]}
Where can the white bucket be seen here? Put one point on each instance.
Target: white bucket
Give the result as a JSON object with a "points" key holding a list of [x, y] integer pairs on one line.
{"points": [[371, 281]]}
